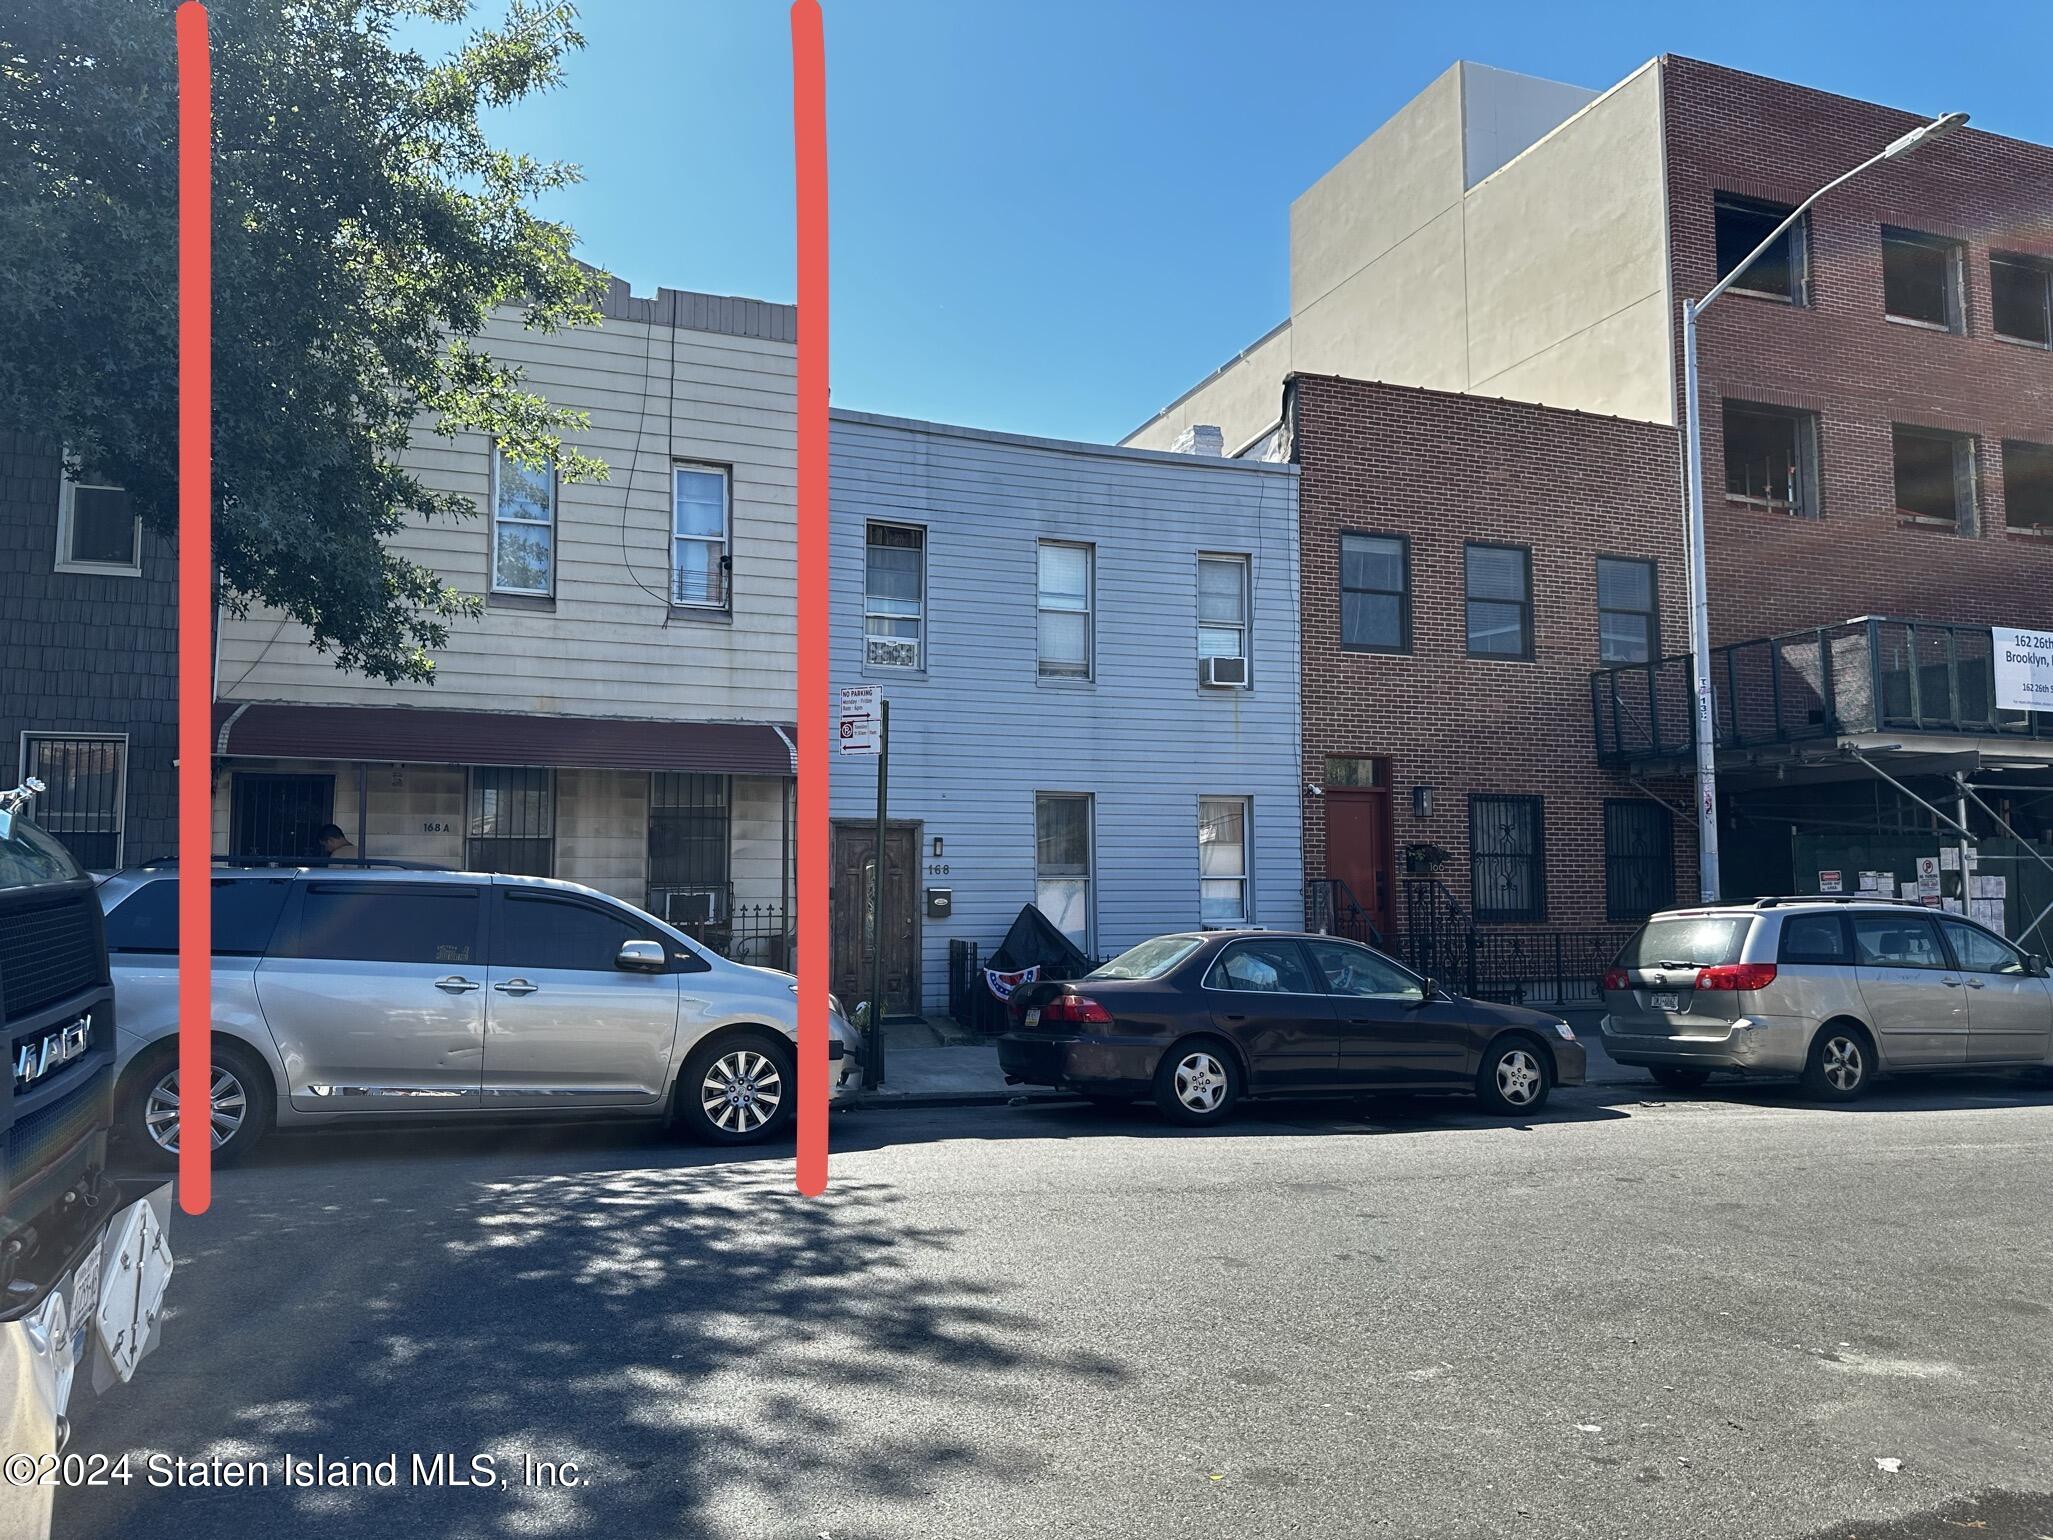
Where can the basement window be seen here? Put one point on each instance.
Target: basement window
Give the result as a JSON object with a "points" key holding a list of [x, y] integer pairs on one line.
{"points": [[1921, 279], [1771, 457], [1742, 224], [2028, 486], [2021, 298], [1935, 476]]}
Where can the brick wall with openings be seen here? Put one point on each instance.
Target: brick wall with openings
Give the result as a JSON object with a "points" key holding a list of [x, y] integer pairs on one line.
{"points": [[1837, 355], [1443, 470]]}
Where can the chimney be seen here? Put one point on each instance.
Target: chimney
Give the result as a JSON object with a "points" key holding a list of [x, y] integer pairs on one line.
{"points": [[1201, 438]]}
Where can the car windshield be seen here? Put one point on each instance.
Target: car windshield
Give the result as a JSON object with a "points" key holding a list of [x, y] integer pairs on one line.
{"points": [[1149, 960], [28, 856], [1700, 941]]}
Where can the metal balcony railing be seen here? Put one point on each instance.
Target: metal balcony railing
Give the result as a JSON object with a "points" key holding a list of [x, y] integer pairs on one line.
{"points": [[1868, 675]]}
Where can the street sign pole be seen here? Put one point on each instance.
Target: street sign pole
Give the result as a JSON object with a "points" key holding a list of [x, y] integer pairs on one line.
{"points": [[873, 1050]]}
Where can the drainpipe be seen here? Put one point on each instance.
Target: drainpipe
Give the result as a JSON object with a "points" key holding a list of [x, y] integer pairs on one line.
{"points": [[363, 798]]}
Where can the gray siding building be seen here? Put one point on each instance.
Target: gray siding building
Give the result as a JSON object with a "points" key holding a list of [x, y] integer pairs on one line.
{"points": [[1091, 660]]}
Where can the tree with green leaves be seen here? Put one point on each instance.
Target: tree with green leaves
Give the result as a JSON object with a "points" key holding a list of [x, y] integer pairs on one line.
{"points": [[365, 227]]}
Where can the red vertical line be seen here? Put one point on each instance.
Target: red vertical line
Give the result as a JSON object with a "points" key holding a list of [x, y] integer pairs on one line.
{"points": [[195, 610], [809, 134]]}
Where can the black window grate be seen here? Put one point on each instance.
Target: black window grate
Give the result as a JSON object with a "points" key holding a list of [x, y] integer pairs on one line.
{"points": [[1639, 860], [1507, 859], [81, 802], [690, 820], [512, 821]]}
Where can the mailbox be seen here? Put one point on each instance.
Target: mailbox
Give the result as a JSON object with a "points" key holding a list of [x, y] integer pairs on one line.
{"points": [[940, 903]]}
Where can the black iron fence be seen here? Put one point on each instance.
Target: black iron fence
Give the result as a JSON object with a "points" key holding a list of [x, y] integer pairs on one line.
{"points": [[1514, 965], [1332, 910], [751, 933], [1867, 675]]}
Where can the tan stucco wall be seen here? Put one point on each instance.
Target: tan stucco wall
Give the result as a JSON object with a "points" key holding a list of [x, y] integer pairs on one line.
{"points": [[1241, 399]]}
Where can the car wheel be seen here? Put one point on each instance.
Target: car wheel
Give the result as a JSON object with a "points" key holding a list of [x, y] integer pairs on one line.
{"points": [[1840, 1065], [1679, 1077], [1197, 1083], [1513, 1080], [240, 1106], [738, 1089]]}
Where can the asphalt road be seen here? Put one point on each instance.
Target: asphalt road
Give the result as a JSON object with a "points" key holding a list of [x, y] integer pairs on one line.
{"points": [[1698, 1317]]}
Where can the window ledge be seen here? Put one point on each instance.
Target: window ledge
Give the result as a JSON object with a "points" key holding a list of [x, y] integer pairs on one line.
{"points": [[1766, 296], [2029, 531], [701, 615], [546, 603], [1923, 326], [2023, 342], [1926, 521], [884, 673], [1060, 682], [1501, 657], [99, 569], [1374, 652]]}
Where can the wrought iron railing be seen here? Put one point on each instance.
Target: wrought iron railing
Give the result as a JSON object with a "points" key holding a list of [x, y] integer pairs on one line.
{"points": [[1862, 676], [1516, 965], [1331, 909], [748, 933]]}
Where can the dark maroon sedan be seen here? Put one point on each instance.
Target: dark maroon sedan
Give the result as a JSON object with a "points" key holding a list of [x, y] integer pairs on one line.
{"points": [[1198, 1021]]}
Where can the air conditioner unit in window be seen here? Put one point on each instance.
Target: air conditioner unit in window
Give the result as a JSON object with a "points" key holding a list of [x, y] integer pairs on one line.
{"points": [[683, 906], [1222, 673]]}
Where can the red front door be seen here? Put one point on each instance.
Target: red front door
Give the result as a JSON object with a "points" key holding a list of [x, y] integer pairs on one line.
{"points": [[1358, 851]]}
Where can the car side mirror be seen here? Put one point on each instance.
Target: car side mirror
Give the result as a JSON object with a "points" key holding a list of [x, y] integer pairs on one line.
{"points": [[2036, 964], [1431, 990], [640, 957]]}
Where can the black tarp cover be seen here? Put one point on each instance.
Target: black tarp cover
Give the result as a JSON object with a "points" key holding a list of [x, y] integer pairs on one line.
{"points": [[1034, 941]]}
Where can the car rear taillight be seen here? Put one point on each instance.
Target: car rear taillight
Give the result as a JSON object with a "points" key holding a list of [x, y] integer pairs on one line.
{"points": [[1736, 976], [1616, 979], [1075, 1011]]}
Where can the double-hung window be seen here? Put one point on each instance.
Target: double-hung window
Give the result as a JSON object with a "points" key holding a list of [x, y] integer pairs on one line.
{"points": [[1375, 593], [894, 596], [1222, 606], [1222, 860], [1626, 632], [1500, 601], [699, 532], [523, 527], [1062, 863], [1065, 599], [97, 530]]}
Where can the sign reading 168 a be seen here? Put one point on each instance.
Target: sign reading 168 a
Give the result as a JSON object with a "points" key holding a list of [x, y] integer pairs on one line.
{"points": [[2024, 669]]}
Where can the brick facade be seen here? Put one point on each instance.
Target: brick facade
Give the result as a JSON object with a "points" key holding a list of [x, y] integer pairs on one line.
{"points": [[1838, 356], [86, 653], [1442, 470]]}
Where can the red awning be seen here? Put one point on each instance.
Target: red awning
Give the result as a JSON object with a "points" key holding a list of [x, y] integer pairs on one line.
{"points": [[421, 736]]}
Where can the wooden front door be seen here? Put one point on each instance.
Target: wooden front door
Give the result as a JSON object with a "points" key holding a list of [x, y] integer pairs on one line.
{"points": [[850, 906], [1358, 851]]}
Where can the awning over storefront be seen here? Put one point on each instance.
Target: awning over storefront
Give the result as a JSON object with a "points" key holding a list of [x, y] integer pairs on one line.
{"points": [[422, 736]]}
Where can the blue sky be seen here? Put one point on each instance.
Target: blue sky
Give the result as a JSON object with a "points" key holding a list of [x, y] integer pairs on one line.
{"points": [[1052, 217]]}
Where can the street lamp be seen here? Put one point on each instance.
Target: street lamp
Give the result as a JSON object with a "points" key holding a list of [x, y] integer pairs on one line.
{"points": [[1693, 470]]}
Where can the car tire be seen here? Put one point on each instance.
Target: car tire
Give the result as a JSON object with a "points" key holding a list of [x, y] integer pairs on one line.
{"points": [[1680, 1077], [1840, 1065], [740, 1088], [1514, 1078], [1197, 1083], [244, 1105]]}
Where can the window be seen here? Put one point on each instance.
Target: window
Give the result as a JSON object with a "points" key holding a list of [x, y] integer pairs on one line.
{"points": [[689, 824], [1639, 859], [1935, 476], [2021, 298], [1262, 967], [542, 931], [1062, 864], [1626, 632], [85, 792], [1814, 938], [1375, 593], [1921, 279], [1771, 457], [1979, 952], [418, 922], [1896, 941], [1149, 960], [512, 824], [1742, 224], [2028, 486], [1360, 974], [698, 545], [1506, 865], [523, 527], [1686, 943], [894, 596], [1356, 770], [1500, 602], [245, 914], [1222, 860], [97, 530], [1065, 610], [1222, 606]]}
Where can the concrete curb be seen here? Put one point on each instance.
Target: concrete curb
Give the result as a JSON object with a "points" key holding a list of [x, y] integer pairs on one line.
{"points": [[889, 1098]]}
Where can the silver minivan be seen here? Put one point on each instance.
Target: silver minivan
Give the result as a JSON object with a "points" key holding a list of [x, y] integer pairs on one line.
{"points": [[1833, 990], [353, 992]]}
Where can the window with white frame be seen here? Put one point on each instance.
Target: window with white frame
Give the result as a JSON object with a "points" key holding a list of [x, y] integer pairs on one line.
{"points": [[699, 531], [97, 530], [1065, 584], [1222, 606], [894, 596], [1222, 860], [85, 790], [1062, 863], [523, 527]]}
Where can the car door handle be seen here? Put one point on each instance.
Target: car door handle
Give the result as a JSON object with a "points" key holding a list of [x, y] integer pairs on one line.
{"points": [[515, 987], [1951, 983], [456, 984], [1976, 984]]}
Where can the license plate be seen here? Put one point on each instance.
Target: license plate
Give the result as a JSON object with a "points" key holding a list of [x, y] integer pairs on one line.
{"points": [[1668, 1002], [1033, 1017]]}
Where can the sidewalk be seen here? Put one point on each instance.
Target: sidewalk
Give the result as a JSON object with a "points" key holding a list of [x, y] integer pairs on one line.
{"points": [[935, 1063]]}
